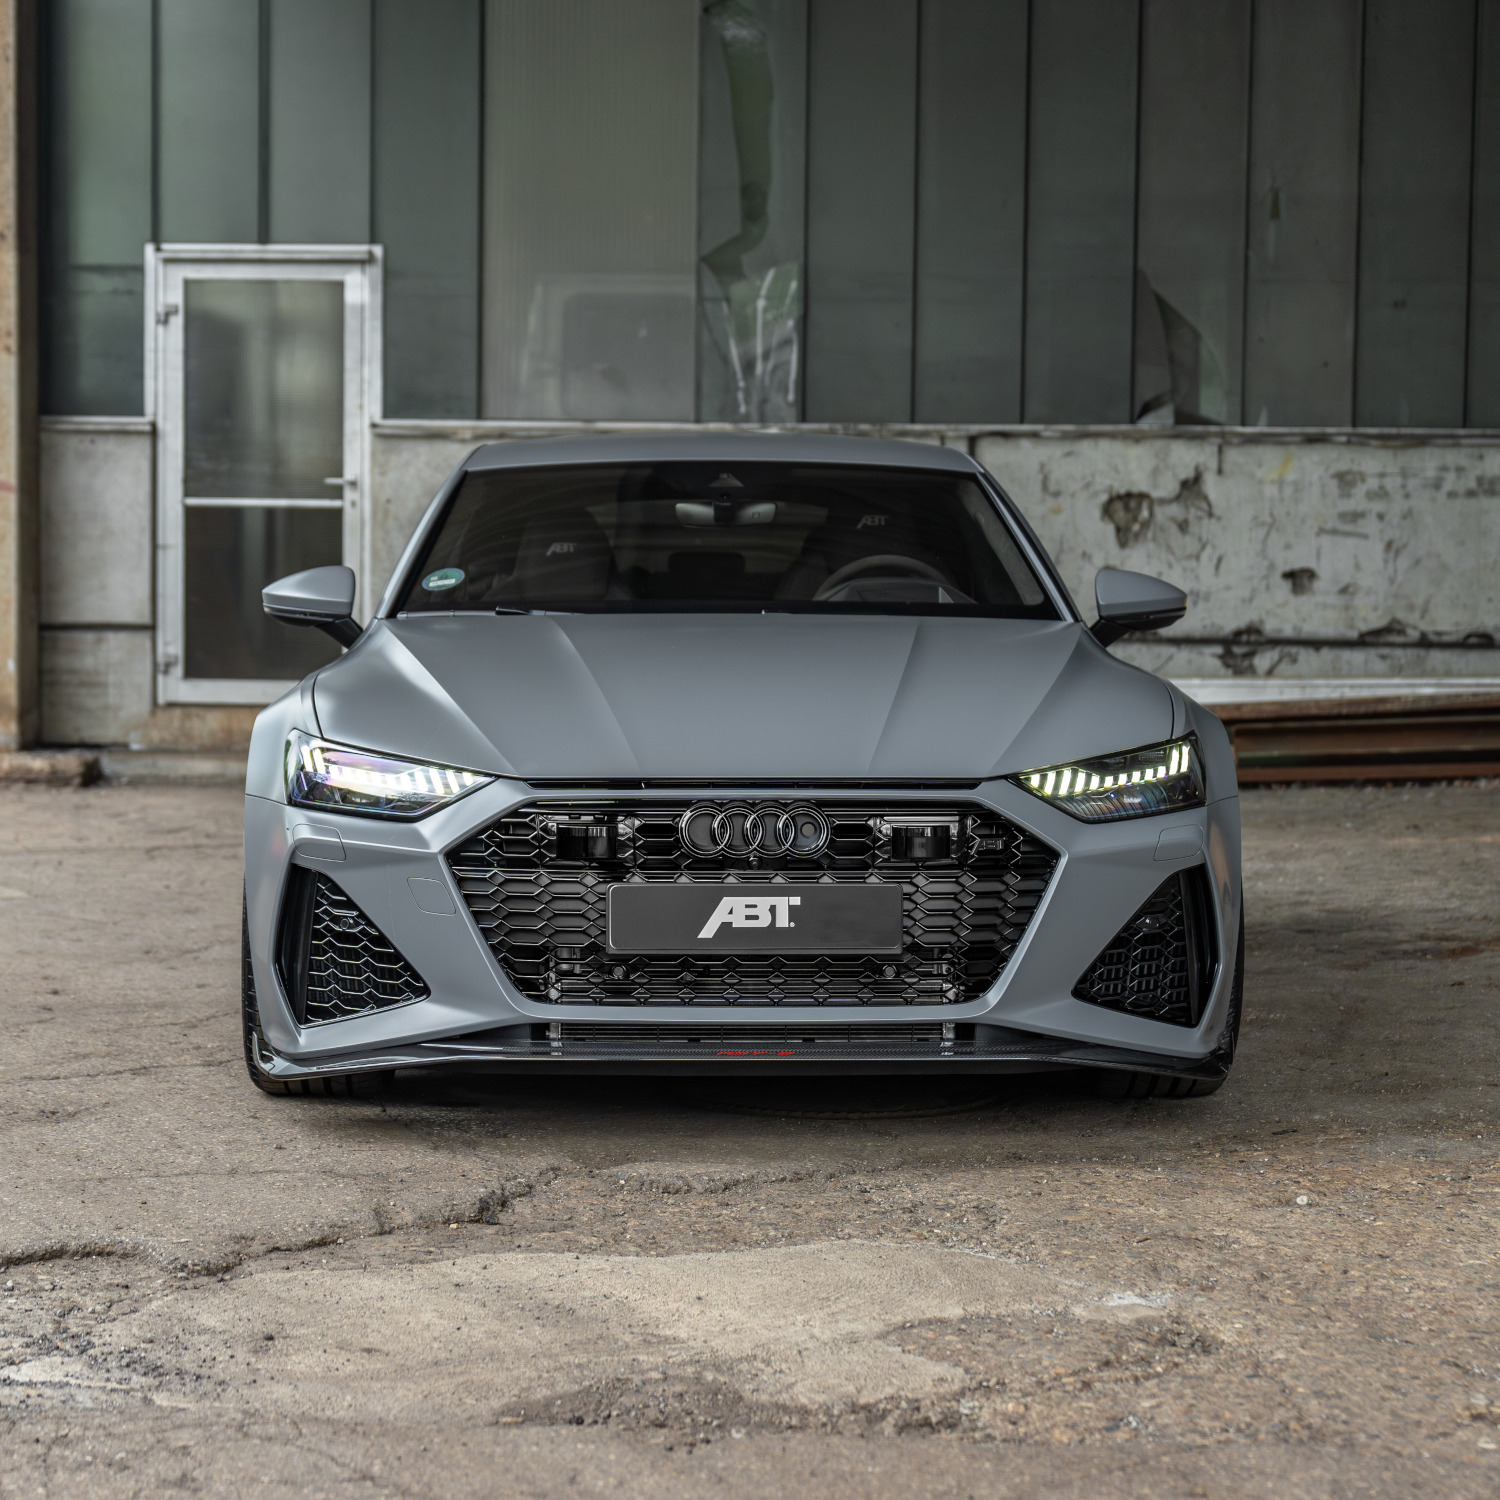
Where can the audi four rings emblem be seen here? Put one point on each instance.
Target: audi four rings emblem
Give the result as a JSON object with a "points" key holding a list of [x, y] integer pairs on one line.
{"points": [[738, 828]]}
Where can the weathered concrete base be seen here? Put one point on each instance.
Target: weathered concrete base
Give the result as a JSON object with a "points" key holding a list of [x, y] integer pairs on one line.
{"points": [[172, 767], [48, 768]]}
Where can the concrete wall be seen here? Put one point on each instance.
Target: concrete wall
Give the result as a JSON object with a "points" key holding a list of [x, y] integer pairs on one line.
{"points": [[98, 595], [1316, 558], [1315, 562]]}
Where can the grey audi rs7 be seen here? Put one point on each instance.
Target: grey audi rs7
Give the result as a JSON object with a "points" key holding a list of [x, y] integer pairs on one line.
{"points": [[719, 754]]}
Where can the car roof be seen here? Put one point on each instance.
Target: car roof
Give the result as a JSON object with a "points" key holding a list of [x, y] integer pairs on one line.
{"points": [[718, 447]]}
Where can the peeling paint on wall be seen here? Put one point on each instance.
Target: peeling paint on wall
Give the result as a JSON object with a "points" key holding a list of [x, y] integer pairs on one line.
{"points": [[1298, 559]]}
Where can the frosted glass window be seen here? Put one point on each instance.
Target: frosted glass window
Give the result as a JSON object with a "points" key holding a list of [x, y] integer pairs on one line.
{"points": [[264, 388], [590, 209]]}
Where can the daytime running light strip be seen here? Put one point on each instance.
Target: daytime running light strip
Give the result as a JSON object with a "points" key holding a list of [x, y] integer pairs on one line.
{"points": [[427, 781], [1074, 781]]}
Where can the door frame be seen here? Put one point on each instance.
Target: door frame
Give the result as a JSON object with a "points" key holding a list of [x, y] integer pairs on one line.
{"points": [[167, 267]]}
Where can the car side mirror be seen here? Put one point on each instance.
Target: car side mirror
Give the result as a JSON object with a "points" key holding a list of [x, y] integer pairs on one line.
{"points": [[1133, 601], [317, 596]]}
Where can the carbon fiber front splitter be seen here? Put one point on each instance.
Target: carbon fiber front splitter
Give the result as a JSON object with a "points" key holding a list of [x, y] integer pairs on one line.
{"points": [[1043, 1054]]}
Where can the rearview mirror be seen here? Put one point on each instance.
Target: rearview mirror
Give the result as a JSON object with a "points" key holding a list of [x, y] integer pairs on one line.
{"points": [[317, 596], [1133, 601]]}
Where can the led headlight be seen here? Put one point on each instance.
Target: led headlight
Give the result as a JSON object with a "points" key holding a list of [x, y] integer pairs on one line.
{"points": [[355, 781], [1134, 784]]}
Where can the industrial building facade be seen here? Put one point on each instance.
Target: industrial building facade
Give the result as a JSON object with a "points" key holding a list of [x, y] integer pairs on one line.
{"points": [[1213, 286]]}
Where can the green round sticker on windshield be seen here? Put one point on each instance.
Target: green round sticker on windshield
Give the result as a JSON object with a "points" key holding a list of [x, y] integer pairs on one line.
{"points": [[444, 578]]}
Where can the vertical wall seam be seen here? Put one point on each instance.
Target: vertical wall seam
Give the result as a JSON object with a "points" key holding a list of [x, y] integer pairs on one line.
{"points": [[1473, 195], [370, 147], [1359, 206], [698, 312], [1246, 230], [1135, 210], [916, 217], [1025, 224], [155, 167], [482, 63], [807, 72], [1238, 412], [263, 127]]}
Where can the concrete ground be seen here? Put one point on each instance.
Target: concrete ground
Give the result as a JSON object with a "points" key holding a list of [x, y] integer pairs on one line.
{"points": [[490, 1287]]}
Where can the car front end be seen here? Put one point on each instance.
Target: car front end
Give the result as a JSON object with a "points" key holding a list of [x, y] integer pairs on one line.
{"points": [[774, 840]]}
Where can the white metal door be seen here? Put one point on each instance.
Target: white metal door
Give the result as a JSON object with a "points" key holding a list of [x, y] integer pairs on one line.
{"points": [[263, 364]]}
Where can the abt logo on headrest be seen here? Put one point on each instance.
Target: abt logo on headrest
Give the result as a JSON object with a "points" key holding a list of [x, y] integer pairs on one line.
{"points": [[559, 549], [751, 911]]}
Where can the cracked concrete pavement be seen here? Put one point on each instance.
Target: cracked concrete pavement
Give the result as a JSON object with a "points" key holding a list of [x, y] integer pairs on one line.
{"points": [[479, 1286]]}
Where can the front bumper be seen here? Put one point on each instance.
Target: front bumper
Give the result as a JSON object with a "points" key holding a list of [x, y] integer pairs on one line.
{"points": [[563, 1056], [473, 1016]]}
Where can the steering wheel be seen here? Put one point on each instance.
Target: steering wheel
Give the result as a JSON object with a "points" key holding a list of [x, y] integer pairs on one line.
{"points": [[881, 563]]}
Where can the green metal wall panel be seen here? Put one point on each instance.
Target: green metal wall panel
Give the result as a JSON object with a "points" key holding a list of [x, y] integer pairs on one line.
{"points": [[1190, 242], [208, 121], [1303, 213], [426, 202], [1482, 405], [861, 205], [971, 210], [1414, 214], [318, 125], [1080, 256], [97, 216]]}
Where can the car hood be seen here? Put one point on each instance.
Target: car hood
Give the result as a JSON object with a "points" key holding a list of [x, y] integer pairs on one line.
{"points": [[775, 697]]}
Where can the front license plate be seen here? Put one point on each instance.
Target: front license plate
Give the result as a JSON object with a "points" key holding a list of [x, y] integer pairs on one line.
{"points": [[755, 918]]}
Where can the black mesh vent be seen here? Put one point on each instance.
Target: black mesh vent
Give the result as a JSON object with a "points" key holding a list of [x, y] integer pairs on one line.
{"points": [[1161, 962], [335, 962], [537, 888]]}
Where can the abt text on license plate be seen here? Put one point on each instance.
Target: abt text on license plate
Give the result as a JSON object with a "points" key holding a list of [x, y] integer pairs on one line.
{"points": [[703, 918]]}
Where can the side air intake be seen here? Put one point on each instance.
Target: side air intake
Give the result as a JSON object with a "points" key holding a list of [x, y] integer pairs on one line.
{"points": [[1161, 964], [334, 962]]}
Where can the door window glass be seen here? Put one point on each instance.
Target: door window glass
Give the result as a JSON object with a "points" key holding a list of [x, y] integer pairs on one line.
{"points": [[232, 553], [263, 453], [264, 389]]}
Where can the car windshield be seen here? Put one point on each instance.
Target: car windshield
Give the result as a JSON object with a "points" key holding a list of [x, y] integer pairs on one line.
{"points": [[715, 536]]}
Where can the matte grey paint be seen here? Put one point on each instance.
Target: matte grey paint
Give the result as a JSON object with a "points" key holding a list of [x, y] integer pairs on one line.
{"points": [[1137, 601], [725, 447], [729, 702], [313, 594], [737, 697]]}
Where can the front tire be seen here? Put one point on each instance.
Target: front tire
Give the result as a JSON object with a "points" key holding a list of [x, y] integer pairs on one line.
{"points": [[1123, 1084], [338, 1086]]}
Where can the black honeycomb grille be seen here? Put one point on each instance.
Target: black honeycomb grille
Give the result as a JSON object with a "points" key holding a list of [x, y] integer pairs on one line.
{"points": [[335, 962], [1161, 962], [536, 883]]}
